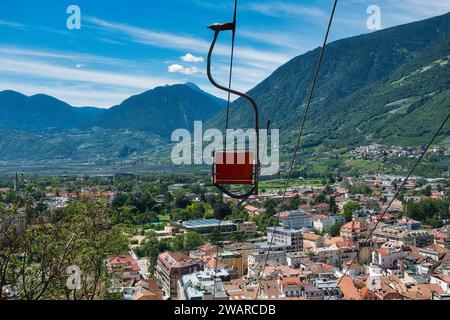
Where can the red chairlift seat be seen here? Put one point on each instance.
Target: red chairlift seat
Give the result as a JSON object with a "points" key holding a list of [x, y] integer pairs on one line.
{"points": [[234, 168]]}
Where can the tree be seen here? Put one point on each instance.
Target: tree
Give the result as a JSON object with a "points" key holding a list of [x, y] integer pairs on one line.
{"points": [[222, 210], [335, 230], [427, 191], [182, 203], [270, 206], [333, 206], [395, 184], [35, 261], [263, 221], [427, 211], [237, 236], [152, 248], [350, 207], [215, 237], [187, 241], [193, 240], [360, 189], [321, 198], [296, 202]]}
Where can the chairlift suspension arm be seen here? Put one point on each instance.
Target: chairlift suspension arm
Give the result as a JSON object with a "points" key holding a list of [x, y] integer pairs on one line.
{"points": [[218, 28], [230, 90]]}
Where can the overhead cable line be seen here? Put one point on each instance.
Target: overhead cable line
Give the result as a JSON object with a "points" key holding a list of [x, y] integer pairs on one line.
{"points": [[227, 125], [302, 129], [230, 79], [394, 198]]}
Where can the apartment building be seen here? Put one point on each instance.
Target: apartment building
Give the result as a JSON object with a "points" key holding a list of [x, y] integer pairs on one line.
{"points": [[401, 234], [291, 239], [203, 285], [171, 266], [296, 220]]}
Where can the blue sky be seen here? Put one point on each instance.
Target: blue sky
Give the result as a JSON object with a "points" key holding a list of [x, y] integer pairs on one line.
{"points": [[127, 47]]}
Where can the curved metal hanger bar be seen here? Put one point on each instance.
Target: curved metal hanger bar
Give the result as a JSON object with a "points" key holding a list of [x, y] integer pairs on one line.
{"points": [[218, 28]]}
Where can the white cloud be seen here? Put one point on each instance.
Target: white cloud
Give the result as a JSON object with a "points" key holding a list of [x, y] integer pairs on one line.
{"points": [[177, 68], [38, 71], [283, 8], [185, 42], [67, 56], [47, 70], [191, 58], [10, 24], [150, 37], [279, 39]]}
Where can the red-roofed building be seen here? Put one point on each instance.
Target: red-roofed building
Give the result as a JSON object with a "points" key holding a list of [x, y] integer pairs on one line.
{"points": [[290, 286], [147, 290], [349, 289], [388, 255], [252, 210], [353, 230], [125, 266]]}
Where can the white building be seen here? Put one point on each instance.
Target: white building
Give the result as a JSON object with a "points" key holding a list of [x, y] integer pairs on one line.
{"points": [[291, 239], [442, 281], [330, 255], [278, 257], [297, 219], [323, 222], [293, 259], [388, 255], [57, 203], [200, 285]]}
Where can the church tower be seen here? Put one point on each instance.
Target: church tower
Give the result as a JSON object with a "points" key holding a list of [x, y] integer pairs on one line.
{"points": [[16, 183]]}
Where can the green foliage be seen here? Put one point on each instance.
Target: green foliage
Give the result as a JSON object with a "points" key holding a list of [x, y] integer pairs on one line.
{"points": [[152, 248], [263, 221], [193, 211], [350, 207], [270, 206], [187, 241], [335, 230], [427, 191], [222, 210], [360, 189], [237, 237], [238, 213], [35, 259], [428, 211]]}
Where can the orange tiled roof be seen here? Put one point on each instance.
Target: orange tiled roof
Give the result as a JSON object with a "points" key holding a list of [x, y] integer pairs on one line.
{"points": [[311, 236], [348, 288]]}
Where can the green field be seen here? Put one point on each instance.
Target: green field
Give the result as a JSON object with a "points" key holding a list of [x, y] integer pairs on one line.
{"points": [[280, 184]]}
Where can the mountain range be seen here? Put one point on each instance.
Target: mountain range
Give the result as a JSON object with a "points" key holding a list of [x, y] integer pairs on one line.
{"points": [[158, 111], [40, 113], [391, 87]]}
